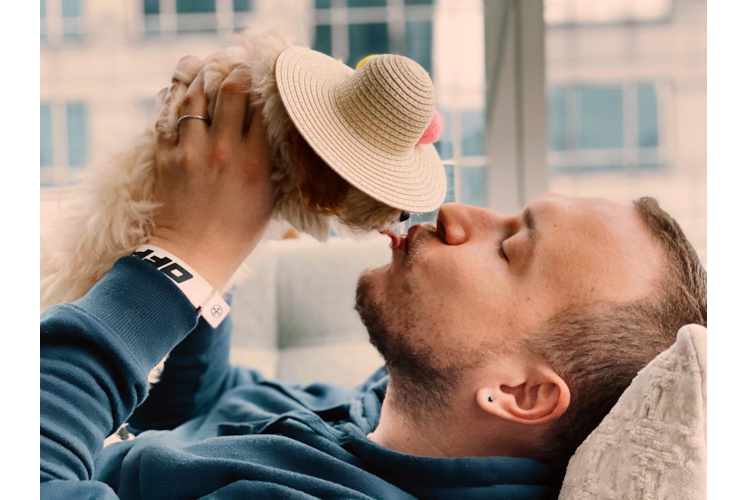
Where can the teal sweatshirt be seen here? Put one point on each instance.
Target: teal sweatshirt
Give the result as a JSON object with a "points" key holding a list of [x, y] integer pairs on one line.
{"points": [[212, 430]]}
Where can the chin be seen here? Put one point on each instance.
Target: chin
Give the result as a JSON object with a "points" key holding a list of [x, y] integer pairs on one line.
{"points": [[373, 282]]}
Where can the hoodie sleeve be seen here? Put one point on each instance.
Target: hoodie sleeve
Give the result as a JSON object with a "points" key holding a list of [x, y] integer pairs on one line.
{"points": [[95, 356], [195, 375]]}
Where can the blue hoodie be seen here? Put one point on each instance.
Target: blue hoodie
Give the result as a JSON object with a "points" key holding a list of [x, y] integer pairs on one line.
{"points": [[209, 429]]}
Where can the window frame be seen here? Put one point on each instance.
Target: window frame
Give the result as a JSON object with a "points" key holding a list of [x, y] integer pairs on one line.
{"points": [[61, 172], [515, 103], [396, 14], [631, 156], [226, 20], [55, 29]]}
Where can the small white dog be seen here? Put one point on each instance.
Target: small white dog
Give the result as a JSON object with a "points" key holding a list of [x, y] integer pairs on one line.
{"points": [[376, 166]]}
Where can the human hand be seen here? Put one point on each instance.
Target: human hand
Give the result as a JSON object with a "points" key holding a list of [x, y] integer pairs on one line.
{"points": [[213, 185]]}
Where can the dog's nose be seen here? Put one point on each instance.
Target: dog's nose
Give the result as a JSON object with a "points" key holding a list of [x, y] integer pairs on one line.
{"points": [[404, 216]]}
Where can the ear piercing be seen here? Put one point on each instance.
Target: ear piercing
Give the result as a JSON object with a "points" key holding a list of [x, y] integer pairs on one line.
{"points": [[490, 399]]}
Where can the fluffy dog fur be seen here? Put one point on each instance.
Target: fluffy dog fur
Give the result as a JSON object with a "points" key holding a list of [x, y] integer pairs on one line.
{"points": [[112, 212]]}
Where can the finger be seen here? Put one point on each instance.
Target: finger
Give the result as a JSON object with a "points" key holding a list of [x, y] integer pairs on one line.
{"points": [[195, 103], [216, 57], [187, 69], [231, 107]]}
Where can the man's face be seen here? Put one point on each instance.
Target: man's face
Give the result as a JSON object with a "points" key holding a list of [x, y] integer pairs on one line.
{"points": [[479, 279]]}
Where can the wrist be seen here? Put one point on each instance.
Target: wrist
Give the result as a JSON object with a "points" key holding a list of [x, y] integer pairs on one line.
{"points": [[210, 268], [199, 291]]}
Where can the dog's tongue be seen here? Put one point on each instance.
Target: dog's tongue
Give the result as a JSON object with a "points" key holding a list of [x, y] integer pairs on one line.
{"points": [[395, 238]]}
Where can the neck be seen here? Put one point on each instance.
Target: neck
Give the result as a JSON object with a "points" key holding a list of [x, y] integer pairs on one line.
{"points": [[461, 432]]}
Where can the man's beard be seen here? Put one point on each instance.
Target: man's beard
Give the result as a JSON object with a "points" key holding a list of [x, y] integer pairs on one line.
{"points": [[421, 380]]}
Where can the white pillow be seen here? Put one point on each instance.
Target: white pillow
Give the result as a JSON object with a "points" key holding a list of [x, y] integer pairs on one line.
{"points": [[652, 444]]}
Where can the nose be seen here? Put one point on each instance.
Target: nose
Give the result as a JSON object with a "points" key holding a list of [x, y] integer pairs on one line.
{"points": [[456, 224], [404, 216]]}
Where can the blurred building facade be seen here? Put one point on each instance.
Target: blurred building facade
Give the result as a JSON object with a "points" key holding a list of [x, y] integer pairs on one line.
{"points": [[103, 62], [626, 83], [626, 102]]}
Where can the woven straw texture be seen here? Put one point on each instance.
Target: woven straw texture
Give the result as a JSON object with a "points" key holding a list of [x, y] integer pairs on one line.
{"points": [[365, 124]]}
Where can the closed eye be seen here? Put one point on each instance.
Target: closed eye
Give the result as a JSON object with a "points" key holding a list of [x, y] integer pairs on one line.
{"points": [[502, 253]]}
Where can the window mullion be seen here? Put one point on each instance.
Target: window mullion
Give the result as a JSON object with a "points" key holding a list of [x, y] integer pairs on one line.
{"points": [[225, 16], [167, 18], [54, 21], [339, 29], [396, 25], [630, 126]]}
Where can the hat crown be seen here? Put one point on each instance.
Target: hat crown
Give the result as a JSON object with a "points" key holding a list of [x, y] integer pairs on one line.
{"points": [[389, 102]]}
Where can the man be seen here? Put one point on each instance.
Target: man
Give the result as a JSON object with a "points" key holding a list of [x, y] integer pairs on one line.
{"points": [[506, 340]]}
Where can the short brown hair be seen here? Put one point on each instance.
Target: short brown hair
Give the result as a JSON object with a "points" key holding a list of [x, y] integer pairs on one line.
{"points": [[599, 350]]}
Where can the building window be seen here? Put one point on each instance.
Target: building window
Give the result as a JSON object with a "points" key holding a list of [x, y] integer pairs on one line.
{"points": [[169, 17], [608, 127], [61, 20], [350, 30], [63, 141]]}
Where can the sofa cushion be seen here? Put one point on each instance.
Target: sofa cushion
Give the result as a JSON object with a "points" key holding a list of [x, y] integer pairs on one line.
{"points": [[293, 312], [653, 442]]}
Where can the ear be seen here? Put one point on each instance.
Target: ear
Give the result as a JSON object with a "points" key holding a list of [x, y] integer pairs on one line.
{"points": [[535, 397], [322, 189]]}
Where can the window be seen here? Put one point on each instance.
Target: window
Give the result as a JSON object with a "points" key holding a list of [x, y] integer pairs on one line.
{"points": [[627, 104], [350, 30], [61, 20], [611, 127], [167, 17], [467, 128], [63, 141]]}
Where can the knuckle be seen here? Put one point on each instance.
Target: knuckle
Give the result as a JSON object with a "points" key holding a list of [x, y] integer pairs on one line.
{"points": [[219, 156], [217, 56], [233, 86], [187, 60], [183, 157], [190, 101]]}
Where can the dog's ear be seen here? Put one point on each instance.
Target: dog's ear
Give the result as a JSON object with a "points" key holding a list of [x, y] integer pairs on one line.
{"points": [[322, 190]]}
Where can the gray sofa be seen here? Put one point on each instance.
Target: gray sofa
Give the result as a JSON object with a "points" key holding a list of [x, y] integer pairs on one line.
{"points": [[294, 316]]}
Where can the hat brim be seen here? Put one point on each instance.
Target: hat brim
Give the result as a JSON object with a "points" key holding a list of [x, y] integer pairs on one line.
{"points": [[307, 80]]}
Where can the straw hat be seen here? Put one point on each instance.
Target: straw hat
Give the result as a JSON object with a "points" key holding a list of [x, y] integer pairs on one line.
{"points": [[366, 124]]}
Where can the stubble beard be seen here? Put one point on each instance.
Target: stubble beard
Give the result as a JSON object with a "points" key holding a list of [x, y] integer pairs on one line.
{"points": [[421, 382]]}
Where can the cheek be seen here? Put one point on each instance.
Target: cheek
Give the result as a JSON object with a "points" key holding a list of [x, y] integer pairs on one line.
{"points": [[464, 278]]}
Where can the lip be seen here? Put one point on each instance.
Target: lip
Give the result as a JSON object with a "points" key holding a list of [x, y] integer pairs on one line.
{"points": [[398, 241], [402, 241]]}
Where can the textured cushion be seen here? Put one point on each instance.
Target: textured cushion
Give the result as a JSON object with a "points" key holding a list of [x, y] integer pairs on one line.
{"points": [[652, 444], [316, 288], [294, 316]]}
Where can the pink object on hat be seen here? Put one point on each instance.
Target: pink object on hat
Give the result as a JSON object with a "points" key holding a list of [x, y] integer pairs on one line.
{"points": [[434, 131]]}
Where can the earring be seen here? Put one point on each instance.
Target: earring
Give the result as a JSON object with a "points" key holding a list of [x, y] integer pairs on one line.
{"points": [[490, 399]]}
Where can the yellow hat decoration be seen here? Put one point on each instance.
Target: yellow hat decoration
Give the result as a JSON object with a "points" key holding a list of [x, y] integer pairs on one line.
{"points": [[364, 61]]}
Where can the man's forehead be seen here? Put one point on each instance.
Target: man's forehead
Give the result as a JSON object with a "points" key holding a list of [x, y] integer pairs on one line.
{"points": [[573, 202], [599, 239], [595, 212]]}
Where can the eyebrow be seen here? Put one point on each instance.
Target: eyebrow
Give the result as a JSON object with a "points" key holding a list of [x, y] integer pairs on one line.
{"points": [[528, 218]]}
